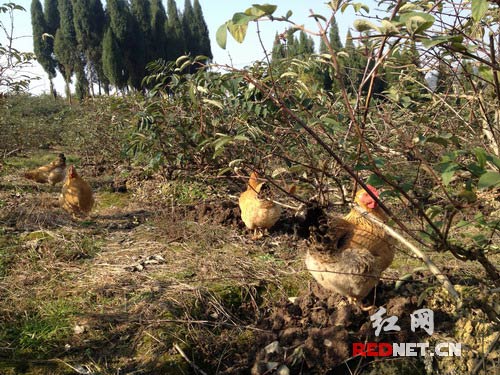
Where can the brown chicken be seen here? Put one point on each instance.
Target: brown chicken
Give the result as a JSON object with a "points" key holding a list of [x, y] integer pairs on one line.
{"points": [[52, 173], [76, 195], [258, 212], [351, 253]]}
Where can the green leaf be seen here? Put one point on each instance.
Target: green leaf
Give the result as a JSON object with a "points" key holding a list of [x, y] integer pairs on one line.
{"points": [[447, 170], [238, 31], [417, 22], [221, 36], [185, 65], [436, 40], [388, 27], [318, 16], [438, 140], [181, 59], [486, 73], [266, 8], [375, 181], [479, 8], [241, 138], [364, 25], [489, 179], [495, 160], [242, 18], [407, 7], [215, 103], [480, 156], [221, 142], [358, 6], [288, 14]]}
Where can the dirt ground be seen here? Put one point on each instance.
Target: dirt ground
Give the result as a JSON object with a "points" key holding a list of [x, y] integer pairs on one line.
{"points": [[149, 286]]}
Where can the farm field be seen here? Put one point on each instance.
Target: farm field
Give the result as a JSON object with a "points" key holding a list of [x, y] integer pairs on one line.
{"points": [[164, 268]]}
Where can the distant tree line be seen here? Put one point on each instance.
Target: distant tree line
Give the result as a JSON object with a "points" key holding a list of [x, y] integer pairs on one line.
{"points": [[355, 58], [110, 47]]}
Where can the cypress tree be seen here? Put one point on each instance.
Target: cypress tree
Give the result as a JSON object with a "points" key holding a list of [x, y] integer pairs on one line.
{"points": [[51, 16], [336, 45], [305, 45], [173, 29], [63, 50], [158, 36], [141, 11], [120, 23], [334, 36], [139, 41], [189, 29], [86, 37], [203, 37], [42, 46], [119, 18], [322, 46], [353, 65], [98, 27], [278, 51], [65, 44], [112, 62], [291, 43], [82, 83]]}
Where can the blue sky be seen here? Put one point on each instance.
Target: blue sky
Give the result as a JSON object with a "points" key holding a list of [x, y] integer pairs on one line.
{"points": [[215, 13]]}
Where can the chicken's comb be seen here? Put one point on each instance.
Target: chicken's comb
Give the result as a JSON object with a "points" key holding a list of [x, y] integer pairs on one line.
{"points": [[71, 171], [373, 189], [361, 192]]}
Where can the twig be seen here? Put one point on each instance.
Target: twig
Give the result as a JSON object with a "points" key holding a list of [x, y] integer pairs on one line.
{"points": [[193, 365], [423, 257]]}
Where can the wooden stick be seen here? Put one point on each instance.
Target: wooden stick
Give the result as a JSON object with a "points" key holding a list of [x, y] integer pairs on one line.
{"points": [[422, 256], [193, 365]]}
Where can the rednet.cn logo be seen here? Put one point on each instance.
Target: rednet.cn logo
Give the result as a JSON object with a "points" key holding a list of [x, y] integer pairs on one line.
{"points": [[424, 319]]}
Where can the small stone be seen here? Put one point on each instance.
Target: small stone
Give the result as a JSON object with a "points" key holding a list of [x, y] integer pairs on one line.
{"points": [[273, 347], [283, 370], [79, 329]]}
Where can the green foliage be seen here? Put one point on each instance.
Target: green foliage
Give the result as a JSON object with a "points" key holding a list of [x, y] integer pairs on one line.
{"points": [[201, 32], [189, 28], [173, 30], [159, 37], [238, 25], [141, 32], [67, 55], [138, 43], [43, 45], [119, 19], [112, 60], [89, 21], [333, 38], [52, 18]]}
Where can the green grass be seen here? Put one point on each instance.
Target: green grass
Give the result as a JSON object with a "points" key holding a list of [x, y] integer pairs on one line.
{"points": [[41, 330], [7, 246], [107, 199], [185, 191]]}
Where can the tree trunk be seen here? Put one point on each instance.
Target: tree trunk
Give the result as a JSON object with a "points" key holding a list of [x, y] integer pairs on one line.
{"points": [[52, 89], [68, 91]]}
